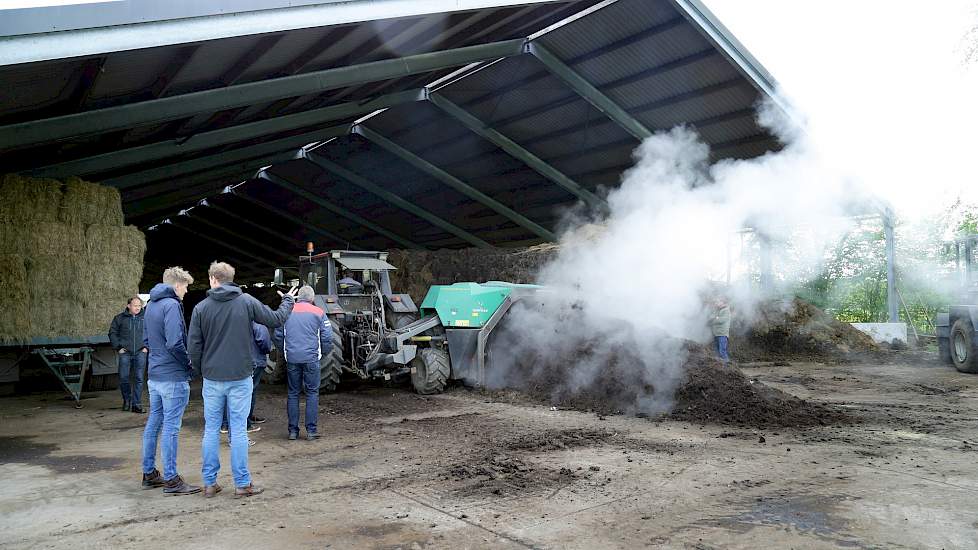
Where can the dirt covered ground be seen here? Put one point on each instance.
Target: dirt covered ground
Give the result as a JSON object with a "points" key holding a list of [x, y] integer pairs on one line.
{"points": [[478, 469]]}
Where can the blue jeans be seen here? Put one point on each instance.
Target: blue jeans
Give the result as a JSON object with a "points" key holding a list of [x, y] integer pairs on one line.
{"points": [[167, 400], [306, 376], [132, 364], [235, 397], [256, 377], [721, 348]]}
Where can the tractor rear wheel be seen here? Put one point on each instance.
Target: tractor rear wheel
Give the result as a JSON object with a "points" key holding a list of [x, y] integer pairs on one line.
{"points": [[401, 320], [331, 365], [431, 370], [964, 353]]}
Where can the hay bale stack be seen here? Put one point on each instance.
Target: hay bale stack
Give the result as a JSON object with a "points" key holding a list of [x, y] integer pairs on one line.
{"points": [[68, 263]]}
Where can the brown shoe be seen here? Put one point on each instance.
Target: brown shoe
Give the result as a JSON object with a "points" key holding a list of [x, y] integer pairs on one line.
{"points": [[176, 486], [152, 480], [249, 491], [210, 491]]}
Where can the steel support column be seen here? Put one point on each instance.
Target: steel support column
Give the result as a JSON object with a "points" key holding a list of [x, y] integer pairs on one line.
{"points": [[767, 267], [453, 182], [371, 187], [210, 101], [591, 94], [323, 203], [891, 293], [207, 140], [514, 149]]}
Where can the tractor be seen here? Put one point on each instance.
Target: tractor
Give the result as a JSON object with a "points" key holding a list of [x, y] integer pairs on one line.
{"points": [[353, 289], [957, 339]]}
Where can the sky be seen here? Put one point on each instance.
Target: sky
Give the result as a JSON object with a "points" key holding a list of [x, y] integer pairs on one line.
{"points": [[887, 88]]}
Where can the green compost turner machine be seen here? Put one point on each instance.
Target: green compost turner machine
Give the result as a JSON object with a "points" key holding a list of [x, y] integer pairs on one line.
{"points": [[452, 339]]}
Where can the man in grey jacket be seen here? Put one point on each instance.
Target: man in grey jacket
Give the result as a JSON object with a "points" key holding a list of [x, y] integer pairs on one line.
{"points": [[220, 348], [720, 327]]}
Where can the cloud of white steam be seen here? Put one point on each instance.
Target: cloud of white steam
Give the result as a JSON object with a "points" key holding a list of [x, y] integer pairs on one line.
{"points": [[889, 106]]}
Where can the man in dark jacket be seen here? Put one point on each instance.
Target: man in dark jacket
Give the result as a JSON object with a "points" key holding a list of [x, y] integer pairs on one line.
{"points": [[165, 335], [219, 344], [261, 344], [126, 336], [306, 337]]}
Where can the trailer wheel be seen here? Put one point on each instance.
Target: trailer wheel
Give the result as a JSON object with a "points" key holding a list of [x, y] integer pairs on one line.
{"points": [[964, 353], [331, 365], [431, 370]]}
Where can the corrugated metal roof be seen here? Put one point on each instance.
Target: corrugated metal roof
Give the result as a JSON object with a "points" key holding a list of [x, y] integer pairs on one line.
{"points": [[651, 58]]}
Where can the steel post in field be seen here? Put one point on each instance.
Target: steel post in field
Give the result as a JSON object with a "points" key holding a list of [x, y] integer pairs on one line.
{"points": [[891, 293]]}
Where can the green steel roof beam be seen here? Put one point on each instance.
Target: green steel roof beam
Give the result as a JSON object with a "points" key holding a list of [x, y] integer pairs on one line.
{"points": [[180, 183], [206, 140], [219, 242], [323, 203], [371, 187], [293, 218], [272, 252], [274, 147], [590, 93], [218, 99], [514, 149], [453, 182]]}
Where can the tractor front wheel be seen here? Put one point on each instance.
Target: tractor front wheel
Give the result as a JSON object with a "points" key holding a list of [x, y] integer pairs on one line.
{"points": [[431, 370], [964, 353]]}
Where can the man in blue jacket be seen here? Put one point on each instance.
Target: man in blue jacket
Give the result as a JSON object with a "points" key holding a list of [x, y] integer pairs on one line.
{"points": [[126, 336], [220, 347], [164, 334], [306, 337]]}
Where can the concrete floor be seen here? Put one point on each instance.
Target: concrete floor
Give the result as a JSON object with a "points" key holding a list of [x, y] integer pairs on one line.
{"points": [[460, 470]]}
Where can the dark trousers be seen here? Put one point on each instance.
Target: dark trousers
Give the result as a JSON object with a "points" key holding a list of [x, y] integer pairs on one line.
{"points": [[132, 364], [721, 348], [256, 379], [304, 376]]}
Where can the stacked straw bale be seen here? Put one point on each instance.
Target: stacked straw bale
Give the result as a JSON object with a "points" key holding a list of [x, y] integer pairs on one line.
{"points": [[67, 262]]}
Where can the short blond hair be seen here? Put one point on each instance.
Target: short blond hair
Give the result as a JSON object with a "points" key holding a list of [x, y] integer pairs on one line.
{"points": [[177, 274], [222, 272]]}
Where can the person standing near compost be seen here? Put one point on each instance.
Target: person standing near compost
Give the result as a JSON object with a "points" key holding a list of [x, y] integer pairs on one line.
{"points": [[720, 326], [126, 336], [220, 348], [304, 339], [165, 335]]}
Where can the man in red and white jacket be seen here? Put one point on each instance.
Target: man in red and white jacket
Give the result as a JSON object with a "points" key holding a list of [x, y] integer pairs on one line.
{"points": [[305, 339]]}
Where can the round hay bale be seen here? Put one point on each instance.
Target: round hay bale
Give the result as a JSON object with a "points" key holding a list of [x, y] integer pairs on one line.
{"points": [[15, 300]]}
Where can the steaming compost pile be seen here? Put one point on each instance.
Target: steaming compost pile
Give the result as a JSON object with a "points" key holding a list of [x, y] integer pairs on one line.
{"points": [[794, 329], [67, 262], [417, 270]]}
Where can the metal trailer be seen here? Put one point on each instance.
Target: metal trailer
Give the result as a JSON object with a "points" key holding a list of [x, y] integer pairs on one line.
{"points": [[73, 361], [957, 339]]}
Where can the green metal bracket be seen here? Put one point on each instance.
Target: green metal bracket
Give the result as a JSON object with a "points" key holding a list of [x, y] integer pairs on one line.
{"points": [[69, 365]]}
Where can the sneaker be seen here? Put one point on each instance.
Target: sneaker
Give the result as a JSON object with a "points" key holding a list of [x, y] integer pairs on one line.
{"points": [[224, 429], [293, 436], [251, 442], [257, 419], [137, 409], [152, 480], [126, 406], [312, 436], [249, 491], [176, 486], [252, 429], [211, 491]]}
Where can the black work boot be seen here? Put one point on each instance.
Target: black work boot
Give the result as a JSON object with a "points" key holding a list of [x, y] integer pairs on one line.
{"points": [[152, 480], [126, 406], [137, 409], [177, 486]]}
